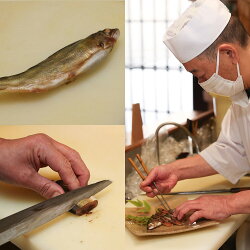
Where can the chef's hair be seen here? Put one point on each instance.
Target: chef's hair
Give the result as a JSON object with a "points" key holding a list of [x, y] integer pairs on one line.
{"points": [[234, 32]]}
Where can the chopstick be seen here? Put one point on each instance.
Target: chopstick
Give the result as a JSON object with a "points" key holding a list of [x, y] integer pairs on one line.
{"points": [[163, 201], [137, 169]]}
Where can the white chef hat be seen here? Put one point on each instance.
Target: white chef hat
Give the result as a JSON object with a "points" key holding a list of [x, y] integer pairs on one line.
{"points": [[196, 29]]}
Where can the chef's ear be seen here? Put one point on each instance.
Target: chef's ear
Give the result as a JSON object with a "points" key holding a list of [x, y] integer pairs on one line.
{"points": [[230, 51]]}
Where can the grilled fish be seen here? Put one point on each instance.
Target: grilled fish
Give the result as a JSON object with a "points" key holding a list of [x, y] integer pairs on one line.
{"points": [[64, 65], [82, 207], [162, 217]]}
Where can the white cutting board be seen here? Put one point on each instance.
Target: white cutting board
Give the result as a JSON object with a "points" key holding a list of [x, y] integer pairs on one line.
{"points": [[32, 31], [101, 148]]}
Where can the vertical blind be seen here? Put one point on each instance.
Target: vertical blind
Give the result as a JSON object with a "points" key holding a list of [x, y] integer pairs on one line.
{"points": [[154, 77]]}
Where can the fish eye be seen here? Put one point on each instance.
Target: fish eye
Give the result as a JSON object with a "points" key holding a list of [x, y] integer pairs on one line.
{"points": [[101, 44]]}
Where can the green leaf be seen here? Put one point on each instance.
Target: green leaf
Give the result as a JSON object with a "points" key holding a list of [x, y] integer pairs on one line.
{"points": [[140, 220], [137, 203], [146, 207]]}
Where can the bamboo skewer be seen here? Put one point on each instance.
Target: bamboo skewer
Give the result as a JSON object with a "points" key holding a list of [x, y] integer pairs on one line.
{"points": [[163, 201]]}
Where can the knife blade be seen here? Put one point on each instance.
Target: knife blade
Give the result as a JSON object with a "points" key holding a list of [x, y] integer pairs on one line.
{"points": [[215, 191], [34, 216]]}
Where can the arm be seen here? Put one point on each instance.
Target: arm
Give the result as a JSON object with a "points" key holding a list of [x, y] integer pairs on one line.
{"points": [[21, 159], [192, 167], [228, 154], [166, 176], [228, 157]]}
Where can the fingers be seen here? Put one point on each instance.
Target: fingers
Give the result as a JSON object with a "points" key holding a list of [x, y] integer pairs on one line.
{"points": [[186, 207], [164, 182], [148, 184], [151, 194], [145, 185], [198, 208], [33, 152], [196, 215], [49, 155], [62, 159], [44, 187], [80, 169]]}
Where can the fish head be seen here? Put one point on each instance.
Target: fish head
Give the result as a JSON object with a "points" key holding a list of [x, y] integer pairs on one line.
{"points": [[112, 33], [105, 39]]}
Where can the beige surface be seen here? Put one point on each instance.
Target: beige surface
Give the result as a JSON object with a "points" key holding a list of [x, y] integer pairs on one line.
{"points": [[210, 238], [102, 149], [31, 31]]}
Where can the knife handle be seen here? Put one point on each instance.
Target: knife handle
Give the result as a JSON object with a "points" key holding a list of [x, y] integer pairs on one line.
{"points": [[236, 190]]}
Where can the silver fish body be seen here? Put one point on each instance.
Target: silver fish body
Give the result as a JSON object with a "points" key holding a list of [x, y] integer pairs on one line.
{"points": [[153, 225], [64, 65]]}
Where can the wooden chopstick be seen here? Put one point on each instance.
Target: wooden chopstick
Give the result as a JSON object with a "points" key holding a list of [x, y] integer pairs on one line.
{"points": [[142, 163], [136, 169], [164, 202]]}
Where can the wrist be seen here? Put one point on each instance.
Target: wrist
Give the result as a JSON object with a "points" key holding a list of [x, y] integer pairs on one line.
{"points": [[239, 203], [231, 204], [175, 169]]}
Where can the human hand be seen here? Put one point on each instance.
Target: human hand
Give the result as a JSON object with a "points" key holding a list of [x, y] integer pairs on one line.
{"points": [[21, 159], [214, 207], [164, 177]]}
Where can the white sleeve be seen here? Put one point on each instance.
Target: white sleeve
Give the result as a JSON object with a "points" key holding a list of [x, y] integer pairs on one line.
{"points": [[227, 155]]}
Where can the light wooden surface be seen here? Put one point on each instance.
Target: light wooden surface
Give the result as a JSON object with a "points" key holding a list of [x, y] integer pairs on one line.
{"points": [[210, 238], [101, 148], [33, 30]]}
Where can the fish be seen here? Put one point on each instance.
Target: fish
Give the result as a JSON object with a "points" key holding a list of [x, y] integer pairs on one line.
{"points": [[163, 217], [63, 66], [82, 207]]}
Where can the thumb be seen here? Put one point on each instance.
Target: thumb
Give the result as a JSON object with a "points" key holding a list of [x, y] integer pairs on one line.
{"points": [[150, 178], [45, 187]]}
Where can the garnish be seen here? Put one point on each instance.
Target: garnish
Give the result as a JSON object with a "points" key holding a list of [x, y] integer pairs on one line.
{"points": [[140, 220], [145, 207]]}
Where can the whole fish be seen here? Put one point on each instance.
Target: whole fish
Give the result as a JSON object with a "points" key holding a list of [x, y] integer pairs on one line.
{"points": [[64, 65]]}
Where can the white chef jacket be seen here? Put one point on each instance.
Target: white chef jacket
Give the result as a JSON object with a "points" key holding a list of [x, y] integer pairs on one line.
{"points": [[230, 154]]}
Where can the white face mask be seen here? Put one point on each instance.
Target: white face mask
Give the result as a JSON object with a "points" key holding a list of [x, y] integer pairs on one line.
{"points": [[221, 86]]}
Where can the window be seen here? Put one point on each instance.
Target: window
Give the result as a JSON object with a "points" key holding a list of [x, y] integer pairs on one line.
{"points": [[154, 77]]}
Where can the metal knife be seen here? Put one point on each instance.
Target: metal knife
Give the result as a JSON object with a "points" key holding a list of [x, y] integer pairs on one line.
{"points": [[32, 217], [215, 191]]}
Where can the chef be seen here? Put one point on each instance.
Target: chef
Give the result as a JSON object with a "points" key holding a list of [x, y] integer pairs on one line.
{"points": [[215, 48], [20, 160]]}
